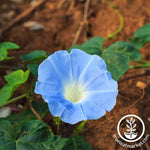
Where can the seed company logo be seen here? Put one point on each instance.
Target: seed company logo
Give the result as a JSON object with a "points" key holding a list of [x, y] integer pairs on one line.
{"points": [[131, 129]]}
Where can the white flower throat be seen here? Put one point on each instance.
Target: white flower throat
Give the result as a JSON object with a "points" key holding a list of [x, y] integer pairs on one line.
{"points": [[74, 92]]}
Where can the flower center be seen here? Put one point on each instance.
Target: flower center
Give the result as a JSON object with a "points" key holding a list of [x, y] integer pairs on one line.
{"points": [[74, 92]]}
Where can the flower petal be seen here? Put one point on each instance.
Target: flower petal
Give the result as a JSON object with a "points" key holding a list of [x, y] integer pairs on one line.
{"points": [[56, 68], [56, 104], [92, 110], [62, 65], [47, 74], [82, 62], [103, 99], [47, 89], [73, 114], [95, 66], [100, 82], [79, 60]]}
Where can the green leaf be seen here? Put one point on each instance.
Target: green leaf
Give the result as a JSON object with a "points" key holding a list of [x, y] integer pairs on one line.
{"points": [[33, 56], [141, 36], [14, 80], [74, 47], [92, 46], [30, 135], [77, 143], [33, 68], [117, 63], [18, 130], [4, 46], [126, 49], [117, 57]]}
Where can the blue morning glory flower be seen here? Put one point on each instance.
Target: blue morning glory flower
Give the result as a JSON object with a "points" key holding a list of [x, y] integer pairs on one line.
{"points": [[76, 86]]}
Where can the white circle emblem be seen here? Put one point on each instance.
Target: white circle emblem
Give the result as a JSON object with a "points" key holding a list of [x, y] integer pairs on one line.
{"points": [[130, 135]]}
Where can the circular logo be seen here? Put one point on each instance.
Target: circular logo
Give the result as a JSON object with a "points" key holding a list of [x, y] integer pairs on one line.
{"points": [[130, 128]]}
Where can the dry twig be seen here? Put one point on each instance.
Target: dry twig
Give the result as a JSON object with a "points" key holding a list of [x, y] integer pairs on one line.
{"points": [[147, 146], [143, 93], [83, 22], [60, 3], [20, 17]]}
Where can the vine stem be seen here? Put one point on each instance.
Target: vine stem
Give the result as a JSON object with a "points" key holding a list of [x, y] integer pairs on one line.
{"points": [[79, 128], [33, 110], [58, 124], [14, 99], [140, 66], [143, 62], [5, 66], [111, 36], [37, 115], [141, 97]]}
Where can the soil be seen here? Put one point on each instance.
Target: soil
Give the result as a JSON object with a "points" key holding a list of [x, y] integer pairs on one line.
{"points": [[61, 25]]}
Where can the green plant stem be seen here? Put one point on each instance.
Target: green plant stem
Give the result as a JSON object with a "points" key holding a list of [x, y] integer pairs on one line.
{"points": [[58, 124], [14, 99], [140, 66], [5, 67], [143, 62], [111, 36], [79, 128]]}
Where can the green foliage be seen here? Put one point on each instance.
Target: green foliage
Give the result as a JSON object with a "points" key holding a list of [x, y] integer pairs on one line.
{"points": [[19, 131], [4, 47], [117, 63], [34, 56], [141, 36], [14, 80], [77, 143], [117, 57], [126, 49], [92, 46], [33, 68], [30, 135], [34, 135]]}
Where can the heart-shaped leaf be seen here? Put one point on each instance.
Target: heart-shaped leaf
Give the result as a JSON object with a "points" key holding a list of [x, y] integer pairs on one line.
{"points": [[34, 56], [92, 46], [14, 80], [117, 57], [30, 135], [34, 135], [141, 36], [117, 63], [4, 47], [126, 49]]}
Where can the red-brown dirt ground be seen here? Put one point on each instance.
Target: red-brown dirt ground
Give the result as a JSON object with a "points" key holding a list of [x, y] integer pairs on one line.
{"points": [[61, 24]]}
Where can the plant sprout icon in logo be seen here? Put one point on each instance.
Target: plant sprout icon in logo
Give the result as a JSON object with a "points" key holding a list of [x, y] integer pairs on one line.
{"points": [[130, 128]]}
